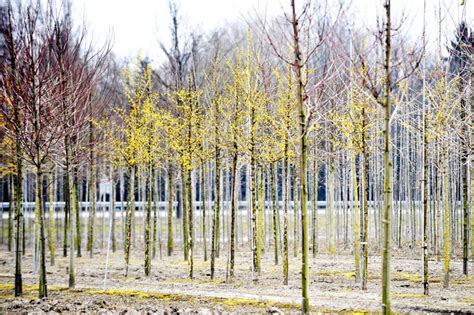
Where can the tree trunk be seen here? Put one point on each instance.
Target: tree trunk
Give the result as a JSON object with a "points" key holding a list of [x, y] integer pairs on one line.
{"points": [[157, 189], [275, 212], [129, 216], [356, 219], [216, 216], [184, 196], [303, 158], [286, 204], [203, 205], [42, 288], [387, 202], [77, 213], [92, 208], [19, 219], [295, 212], [233, 201], [189, 174], [51, 228], [74, 209], [330, 204], [446, 224], [112, 208], [10, 213], [260, 216], [170, 209], [148, 220], [425, 207]]}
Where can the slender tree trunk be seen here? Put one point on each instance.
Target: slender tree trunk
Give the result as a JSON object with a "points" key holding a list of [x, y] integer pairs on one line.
{"points": [[203, 204], [446, 224], [148, 219], [425, 207], [387, 202], [356, 219], [130, 210], [184, 195], [275, 212], [10, 213], [286, 202], [303, 158], [19, 218], [364, 171], [74, 209], [216, 216], [233, 211], [260, 216], [92, 201], [295, 212], [189, 174], [330, 205], [255, 253], [465, 193], [157, 189], [42, 288], [77, 224], [315, 205], [170, 209], [112, 208], [122, 208], [472, 146], [51, 229], [67, 198]]}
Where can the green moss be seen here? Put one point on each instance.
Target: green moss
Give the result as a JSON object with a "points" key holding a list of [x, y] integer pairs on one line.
{"points": [[414, 278], [247, 302], [187, 298], [133, 293], [401, 276], [126, 278], [336, 273], [465, 281], [6, 286], [6, 290]]}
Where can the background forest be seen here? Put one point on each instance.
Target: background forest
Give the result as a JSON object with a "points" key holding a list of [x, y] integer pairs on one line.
{"points": [[292, 157]]}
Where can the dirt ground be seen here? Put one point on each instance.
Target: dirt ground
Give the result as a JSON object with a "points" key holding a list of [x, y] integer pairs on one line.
{"points": [[168, 289]]}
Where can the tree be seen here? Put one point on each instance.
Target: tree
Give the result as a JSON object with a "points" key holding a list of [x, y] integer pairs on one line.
{"points": [[459, 66]]}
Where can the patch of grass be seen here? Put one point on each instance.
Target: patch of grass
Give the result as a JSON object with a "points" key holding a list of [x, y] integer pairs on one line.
{"points": [[467, 300], [465, 281], [125, 278], [336, 273], [414, 278], [6, 290], [410, 277], [188, 298], [133, 293], [247, 302]]}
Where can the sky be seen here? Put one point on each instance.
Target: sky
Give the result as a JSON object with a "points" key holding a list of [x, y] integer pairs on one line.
{"points": [[139, 25]]}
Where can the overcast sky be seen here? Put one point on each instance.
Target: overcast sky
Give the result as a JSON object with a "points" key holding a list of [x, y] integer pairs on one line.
{"points": [[138, 25]]}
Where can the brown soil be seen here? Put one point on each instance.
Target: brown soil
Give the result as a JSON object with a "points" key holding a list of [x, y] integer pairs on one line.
{"points": [[168, 290]]}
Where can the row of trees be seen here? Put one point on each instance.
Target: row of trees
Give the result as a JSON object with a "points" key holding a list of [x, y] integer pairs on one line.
{"points": [[267, 121]]}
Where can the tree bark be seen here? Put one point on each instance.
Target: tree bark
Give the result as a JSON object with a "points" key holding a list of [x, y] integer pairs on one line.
{"points": [[387, 202], [303, 158]]}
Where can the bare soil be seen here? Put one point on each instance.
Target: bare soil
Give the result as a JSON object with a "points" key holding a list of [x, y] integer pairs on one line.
{"points": [[168, 290]]}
